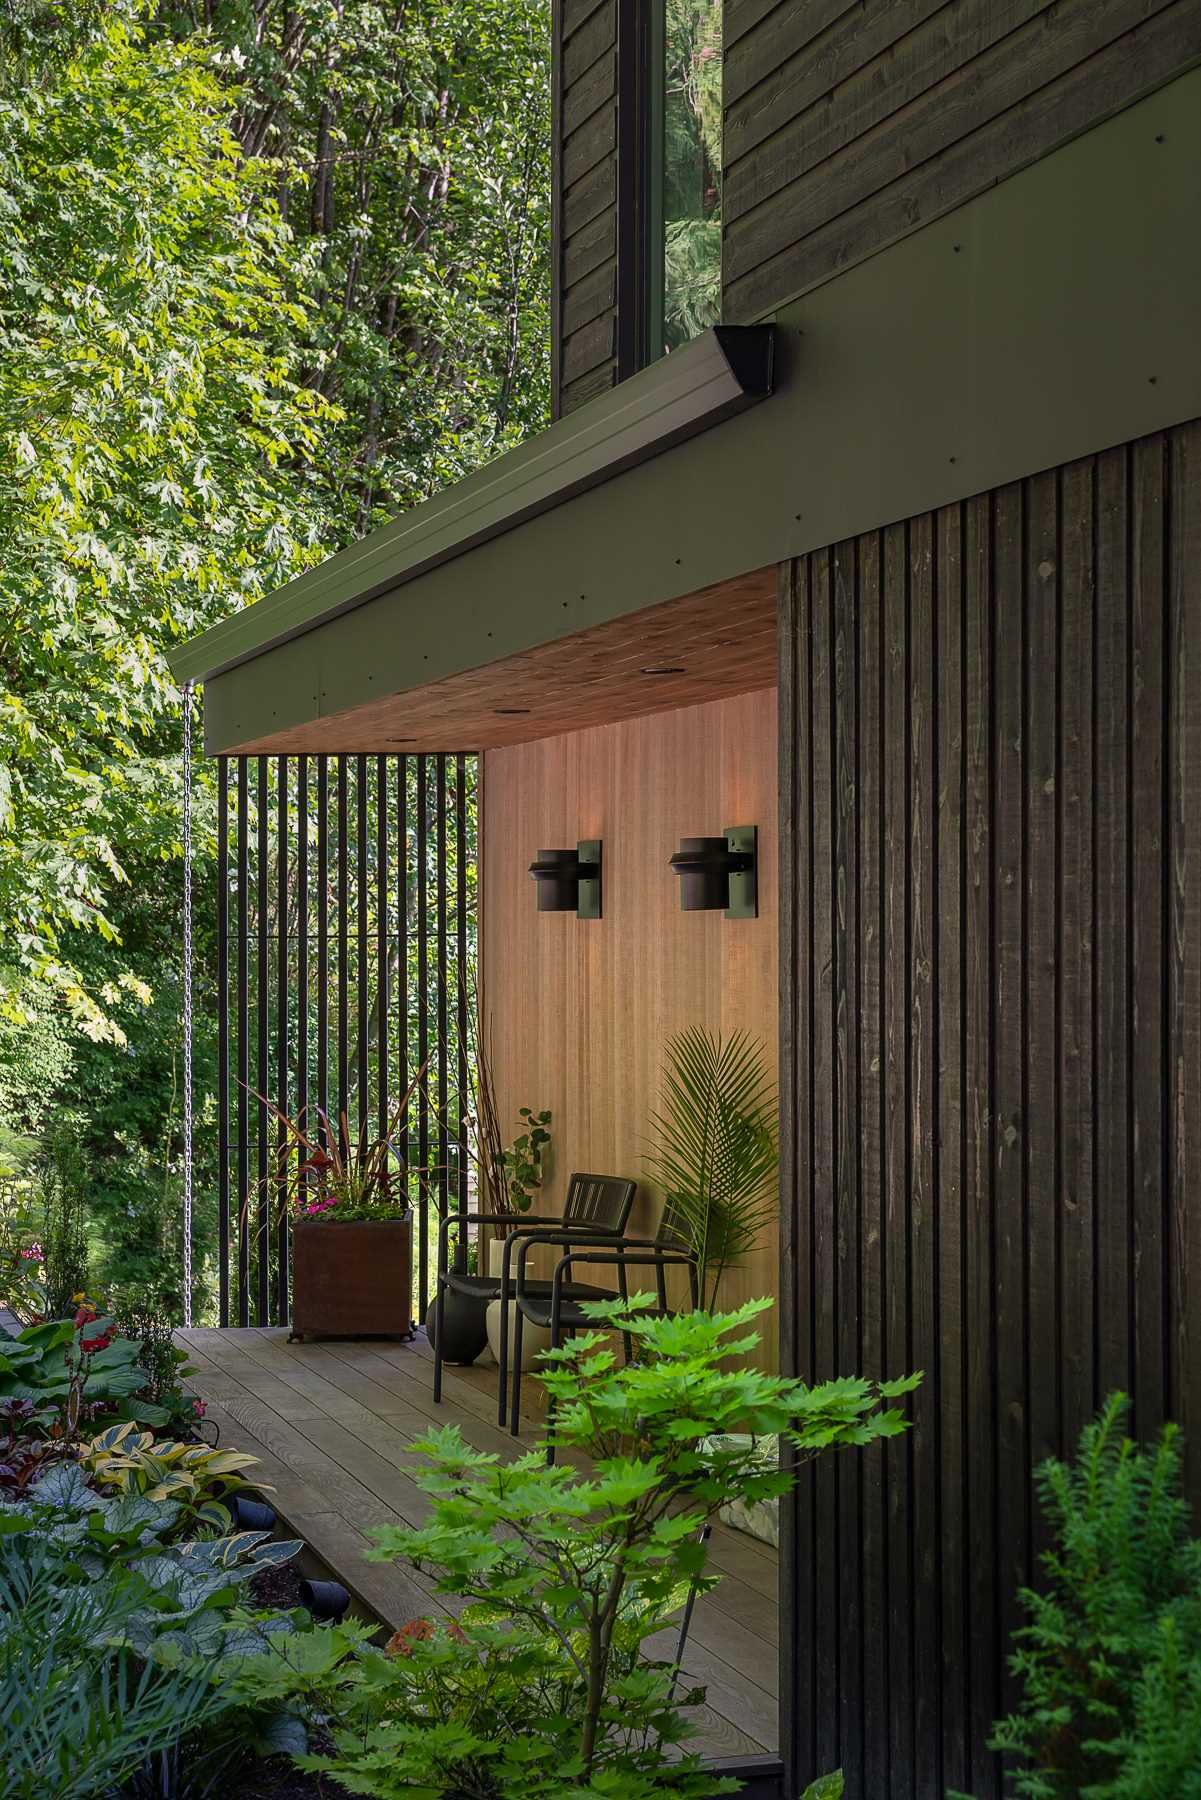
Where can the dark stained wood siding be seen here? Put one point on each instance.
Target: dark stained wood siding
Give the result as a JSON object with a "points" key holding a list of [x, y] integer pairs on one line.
{"points": [[848, 126], [991, 1010], [586, 36]]}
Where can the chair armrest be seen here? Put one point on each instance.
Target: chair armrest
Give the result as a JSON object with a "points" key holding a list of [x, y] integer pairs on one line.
{"points": [[523, 1241], [483, 1218], [660, 1259], [655, 1258]]}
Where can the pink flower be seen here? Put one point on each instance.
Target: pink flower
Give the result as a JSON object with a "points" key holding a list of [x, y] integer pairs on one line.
{"points": [[35, 1253], [199, 1408]]}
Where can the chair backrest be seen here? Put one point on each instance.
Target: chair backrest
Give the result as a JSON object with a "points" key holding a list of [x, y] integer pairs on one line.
{"points": [[601, 1200], [673, 1233]]}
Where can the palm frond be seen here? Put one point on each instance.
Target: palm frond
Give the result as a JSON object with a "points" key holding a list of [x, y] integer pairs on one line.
{"points": [[715, 1152]]}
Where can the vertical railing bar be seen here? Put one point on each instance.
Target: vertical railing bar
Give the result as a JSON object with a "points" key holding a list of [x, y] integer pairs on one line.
{"points": [[461, 859], [443, 1014], [382, 1008], [402, 951], [343, 992], [423, 1026], [263, 1246], [323, 935], [362, 945], [281, 1040], [243, 1043], [223, 1039], [302, 972]]}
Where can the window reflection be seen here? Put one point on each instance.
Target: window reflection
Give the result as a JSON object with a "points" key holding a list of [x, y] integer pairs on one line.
{"points": [[691, 169]]}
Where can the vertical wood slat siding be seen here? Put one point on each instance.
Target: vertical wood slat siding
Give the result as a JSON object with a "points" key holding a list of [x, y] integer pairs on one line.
{"points": [[847, 128], [991, 1011], [272, 1017]]}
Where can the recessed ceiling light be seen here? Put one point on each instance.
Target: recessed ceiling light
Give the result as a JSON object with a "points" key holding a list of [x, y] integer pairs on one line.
{"points": [[510, 712], [665, 669]]}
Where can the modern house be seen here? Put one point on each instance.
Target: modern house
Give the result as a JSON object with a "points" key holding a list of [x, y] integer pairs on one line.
{"points": [[899, 562]]}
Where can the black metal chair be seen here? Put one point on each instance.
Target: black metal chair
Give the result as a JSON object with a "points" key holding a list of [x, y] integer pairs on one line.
{"points": [[596, 1208], [558, 1305]]}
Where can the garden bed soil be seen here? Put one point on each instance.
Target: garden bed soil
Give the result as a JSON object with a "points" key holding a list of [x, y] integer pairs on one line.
{"points": [[278, 1779]]}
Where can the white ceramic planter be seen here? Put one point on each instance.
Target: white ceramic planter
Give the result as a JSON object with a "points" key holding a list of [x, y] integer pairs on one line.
{"points": [[533, 1337], [762, 1520]]}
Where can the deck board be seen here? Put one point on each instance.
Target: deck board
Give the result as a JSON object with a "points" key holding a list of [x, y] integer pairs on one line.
{"points": [[333, 1425]]}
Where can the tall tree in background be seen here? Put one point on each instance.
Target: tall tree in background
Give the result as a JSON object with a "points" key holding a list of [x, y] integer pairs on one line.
{"points": [[269, 273], [409, 147]]}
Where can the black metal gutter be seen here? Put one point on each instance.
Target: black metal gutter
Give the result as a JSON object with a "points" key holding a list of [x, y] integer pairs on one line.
{"points": [[722, 372]]}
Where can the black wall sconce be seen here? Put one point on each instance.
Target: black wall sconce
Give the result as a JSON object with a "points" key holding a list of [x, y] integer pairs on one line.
{"points": [[570, 880], [718, 873]]}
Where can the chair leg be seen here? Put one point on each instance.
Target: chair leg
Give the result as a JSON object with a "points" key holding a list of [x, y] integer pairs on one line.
{"points": [[515, 1420], [624, 1285], [439, 1308], [502, 1362], [555, 1339]]}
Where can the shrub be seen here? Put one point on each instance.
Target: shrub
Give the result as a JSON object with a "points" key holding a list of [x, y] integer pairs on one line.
{"points": [[115, 1642], [1110, 1659], [78, 1713], [73, 1371], [140, 1315], [541, 1688], [62, 1179], [124, 1460]]}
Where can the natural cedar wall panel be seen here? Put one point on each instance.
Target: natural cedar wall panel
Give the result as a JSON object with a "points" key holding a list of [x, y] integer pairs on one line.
{"points": [[580, 1009], [585, 179], [849, 126], [991, 1010]]}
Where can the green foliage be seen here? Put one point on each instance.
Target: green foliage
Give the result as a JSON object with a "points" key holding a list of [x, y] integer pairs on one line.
{"points": [[138, 1316], [64, 1241], [67, 1372], [525, 1157], [826, 1787], [715, 1153], [199, 1477], [36, 1052], [1110, 1658], [542, 1687], [20, 1248], [154, 434], [146, 1614], [78, 1714], [266, 275], [189, 1583], [692, 169]]}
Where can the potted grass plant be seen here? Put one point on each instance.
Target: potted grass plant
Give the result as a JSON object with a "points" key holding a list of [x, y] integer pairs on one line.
{"points": [[716, 1156], [351, 1230], [715, 1151]]}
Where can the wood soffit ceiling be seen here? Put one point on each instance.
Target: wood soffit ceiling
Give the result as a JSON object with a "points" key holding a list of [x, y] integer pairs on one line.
{"points": [[716, 642]]}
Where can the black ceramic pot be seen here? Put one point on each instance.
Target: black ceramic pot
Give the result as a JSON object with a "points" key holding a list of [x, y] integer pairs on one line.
{"points": [[326, 1600], [252, 1515], [465, 1324]]}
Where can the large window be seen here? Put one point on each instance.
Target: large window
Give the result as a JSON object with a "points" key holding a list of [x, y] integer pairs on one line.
{"points": [[689, 55]]}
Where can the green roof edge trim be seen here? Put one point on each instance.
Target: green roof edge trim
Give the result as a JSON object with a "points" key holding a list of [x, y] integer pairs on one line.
{"points": [[722, 372]]}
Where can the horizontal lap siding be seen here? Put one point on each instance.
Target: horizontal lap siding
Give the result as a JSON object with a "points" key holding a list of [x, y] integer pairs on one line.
{"points": [[991, 1008], [847, 127], [586, 195]]}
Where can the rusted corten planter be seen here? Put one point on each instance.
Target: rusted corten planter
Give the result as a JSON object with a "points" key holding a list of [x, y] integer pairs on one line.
{"points": [[353, 1279]]}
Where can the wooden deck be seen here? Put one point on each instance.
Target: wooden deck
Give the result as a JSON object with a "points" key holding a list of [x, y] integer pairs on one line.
{"points": [[333, 1424]]}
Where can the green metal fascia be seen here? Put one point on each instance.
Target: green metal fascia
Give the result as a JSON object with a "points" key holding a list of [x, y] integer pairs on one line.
{"points": [[721, 373], [1045, 320]]}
